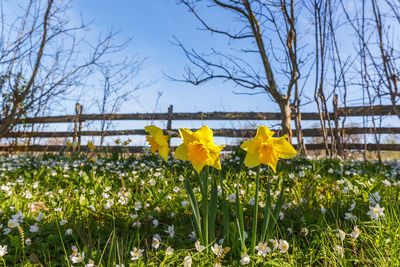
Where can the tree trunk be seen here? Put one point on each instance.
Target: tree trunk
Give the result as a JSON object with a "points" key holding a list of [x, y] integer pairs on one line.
{"points": [[286, 118], [6, 125]]}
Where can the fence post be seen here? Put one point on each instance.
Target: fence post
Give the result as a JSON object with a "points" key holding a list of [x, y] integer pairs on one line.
{"points": [[76, 123], [80, 126], [169, 123], [336, 118]]}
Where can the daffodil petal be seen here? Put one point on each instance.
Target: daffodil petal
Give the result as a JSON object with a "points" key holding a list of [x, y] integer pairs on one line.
{"points": [[246, 144], [153, 130], [181, 152], [286, 149], [204, 134], [162, 139], [252, 160], [273, 167], [153, 144], [214, 152], [186, 135], [264, 132], [217, 163], [198, 166], [163, 151]]}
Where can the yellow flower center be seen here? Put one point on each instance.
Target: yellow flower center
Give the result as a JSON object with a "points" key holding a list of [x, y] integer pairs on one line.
{"points": [[197, 153], [268, 153]]}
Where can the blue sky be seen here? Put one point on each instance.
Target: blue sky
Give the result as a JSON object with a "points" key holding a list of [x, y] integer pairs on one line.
{"points": [[152, 25]]}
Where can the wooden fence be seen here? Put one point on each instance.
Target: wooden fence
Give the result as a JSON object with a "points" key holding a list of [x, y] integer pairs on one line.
{"points": [[78, 119]]}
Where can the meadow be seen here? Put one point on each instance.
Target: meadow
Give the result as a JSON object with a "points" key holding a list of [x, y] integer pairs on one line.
{"points": [[117, 210]]}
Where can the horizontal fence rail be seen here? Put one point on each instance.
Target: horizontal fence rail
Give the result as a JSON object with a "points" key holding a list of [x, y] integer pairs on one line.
{"points": [[217, 132], [348, 111], [367, 111], [166, 116]]}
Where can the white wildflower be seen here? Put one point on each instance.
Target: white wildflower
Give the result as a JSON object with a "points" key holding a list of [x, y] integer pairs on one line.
{"points": [[136, 254], [339, 250], [34, 228], [217, 249], [3, 250], [232, 198], [170, 231], [376, 212], [156, 243], [262, 249], [341, 234], [169, 251], [283, 246], [198, 246], [187, 261], [245, 259], [356, 233]]}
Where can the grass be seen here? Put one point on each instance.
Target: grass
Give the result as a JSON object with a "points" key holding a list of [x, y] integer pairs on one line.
{"points": [[109, 207]]}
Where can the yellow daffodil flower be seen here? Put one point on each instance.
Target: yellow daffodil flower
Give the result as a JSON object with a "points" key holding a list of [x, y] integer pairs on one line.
{"points": [[266, 149], [199, 148], [158, 141], [91, 146]]}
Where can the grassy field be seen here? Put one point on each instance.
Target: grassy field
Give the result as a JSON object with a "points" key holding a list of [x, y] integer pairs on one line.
{"points": [[119, 211]]}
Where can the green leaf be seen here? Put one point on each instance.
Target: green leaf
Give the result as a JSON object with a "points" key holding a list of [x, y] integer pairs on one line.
{"points": [[239, 217], [225, 212], [277, 210], [267, 214], [195, 208], [15, 240], [213, 209]]}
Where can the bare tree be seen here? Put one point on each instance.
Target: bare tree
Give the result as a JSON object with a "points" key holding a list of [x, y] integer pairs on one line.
{"points": [[339, 68], [386, 26], [375, 24], [43, 56], [264, 29]]}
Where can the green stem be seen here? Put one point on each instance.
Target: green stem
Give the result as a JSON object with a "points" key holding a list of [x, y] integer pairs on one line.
{"points": [[4, 262], [205, 207], [226, 212], [212, 210], [62, 242], [239, 216], [255, 214], [267, 213]]}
